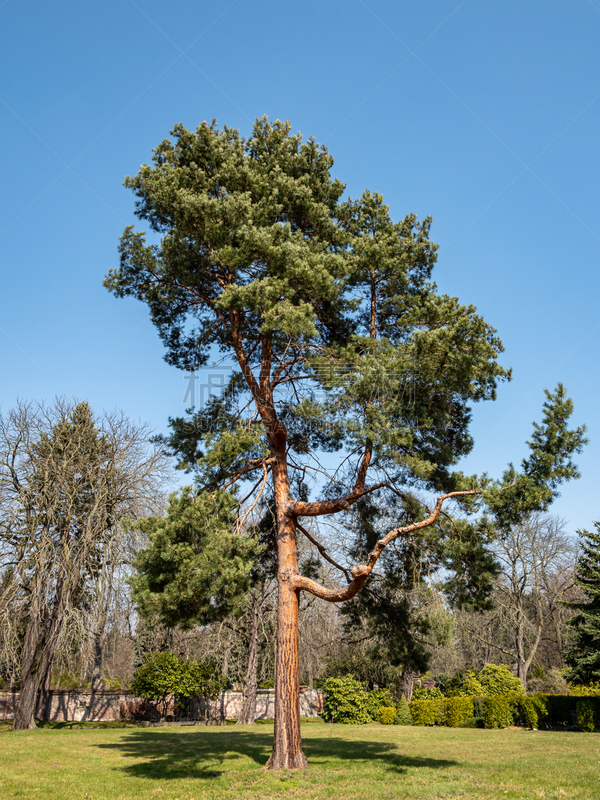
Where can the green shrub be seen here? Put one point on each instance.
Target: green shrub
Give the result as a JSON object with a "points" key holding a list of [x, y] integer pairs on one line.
{"points": [[346, 701], [376, 699], [427, 712], [527, 712], [585, 715], [157, 679], [464, 684], [456, 710], [478, 706], [163, 675], [403, 716], [497, 712], [497, 679], [386, 715], [587, 712], [493, 680], [470, 687]]}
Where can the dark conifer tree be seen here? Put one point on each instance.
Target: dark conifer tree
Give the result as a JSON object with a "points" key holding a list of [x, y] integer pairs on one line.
{"points": [[583, 655]]}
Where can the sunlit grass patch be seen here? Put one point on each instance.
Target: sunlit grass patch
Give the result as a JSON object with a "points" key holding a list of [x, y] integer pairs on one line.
{"points": [[371, 761]]}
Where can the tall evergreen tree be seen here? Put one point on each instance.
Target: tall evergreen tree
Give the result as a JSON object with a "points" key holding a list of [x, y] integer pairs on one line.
{"points": [[340, 341], [583, 654]]}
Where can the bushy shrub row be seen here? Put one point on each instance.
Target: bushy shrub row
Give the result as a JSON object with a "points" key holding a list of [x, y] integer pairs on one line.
{"points": [[348, 701], [501, 711]]}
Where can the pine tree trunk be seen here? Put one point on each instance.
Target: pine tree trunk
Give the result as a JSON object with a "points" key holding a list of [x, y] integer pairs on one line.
{"points": [[287, 744], [248, 712]]}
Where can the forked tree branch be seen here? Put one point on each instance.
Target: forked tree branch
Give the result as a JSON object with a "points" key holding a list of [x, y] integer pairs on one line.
{"points": [[361, 572]]}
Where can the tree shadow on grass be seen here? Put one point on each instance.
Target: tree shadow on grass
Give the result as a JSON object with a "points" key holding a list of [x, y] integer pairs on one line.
{"points": [[168, 755]]}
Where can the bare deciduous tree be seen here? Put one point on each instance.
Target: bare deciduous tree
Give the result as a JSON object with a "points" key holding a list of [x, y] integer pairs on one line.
{"points": [[536, 560], [67, 480]]}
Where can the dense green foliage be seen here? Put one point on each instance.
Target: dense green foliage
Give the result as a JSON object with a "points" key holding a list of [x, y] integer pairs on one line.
{"points": [[196, 567], [589, 690], [164, 675], [583, 655], [255, 230], [493, 679], [457, 710], [502, 711], [348, 701], [587, 714], [497, 712], [386, 715], [450, 711], [427, 712], [157, 678]]}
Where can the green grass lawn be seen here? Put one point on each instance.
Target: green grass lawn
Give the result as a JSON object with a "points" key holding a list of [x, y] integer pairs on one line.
{"points": [[370, 761]]}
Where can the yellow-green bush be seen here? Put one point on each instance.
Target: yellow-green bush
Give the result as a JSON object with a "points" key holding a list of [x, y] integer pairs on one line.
{"points": [[592, 690], [587, 710], [346, 701], [427, 712], [378, 698], [497, 712], [386, 715], [456, 710]]}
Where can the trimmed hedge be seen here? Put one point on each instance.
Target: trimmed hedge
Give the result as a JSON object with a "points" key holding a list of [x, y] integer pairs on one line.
{"points": [[450, 711], [427, 712], [457, 710], [532, 711], [497, 712], [349, 702]]}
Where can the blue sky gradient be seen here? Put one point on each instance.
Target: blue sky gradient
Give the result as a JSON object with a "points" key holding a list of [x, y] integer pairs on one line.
{"points": [[484, 115]]}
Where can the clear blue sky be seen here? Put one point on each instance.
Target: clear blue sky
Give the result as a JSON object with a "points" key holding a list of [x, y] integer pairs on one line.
{"points": [[482, 113]]}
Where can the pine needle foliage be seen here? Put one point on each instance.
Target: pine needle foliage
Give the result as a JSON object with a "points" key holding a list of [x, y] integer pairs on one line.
{"points": [[583, 655]]}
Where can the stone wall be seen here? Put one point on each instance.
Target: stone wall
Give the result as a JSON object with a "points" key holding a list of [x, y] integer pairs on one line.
{"points": [[82, 706], [229, 704]]}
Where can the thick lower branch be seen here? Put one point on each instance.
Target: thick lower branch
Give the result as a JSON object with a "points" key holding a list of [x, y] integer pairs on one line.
{"points": [[361, 572]]}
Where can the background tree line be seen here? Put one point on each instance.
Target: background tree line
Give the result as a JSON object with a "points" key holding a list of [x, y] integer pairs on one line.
{"points": [[81, 499]]}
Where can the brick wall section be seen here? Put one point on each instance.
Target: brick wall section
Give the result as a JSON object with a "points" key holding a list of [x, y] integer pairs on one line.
{"points": [[82, 706]]}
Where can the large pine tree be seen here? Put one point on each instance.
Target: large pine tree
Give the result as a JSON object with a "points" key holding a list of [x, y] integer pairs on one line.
{"points": [[583, 655], [339, 341]]}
